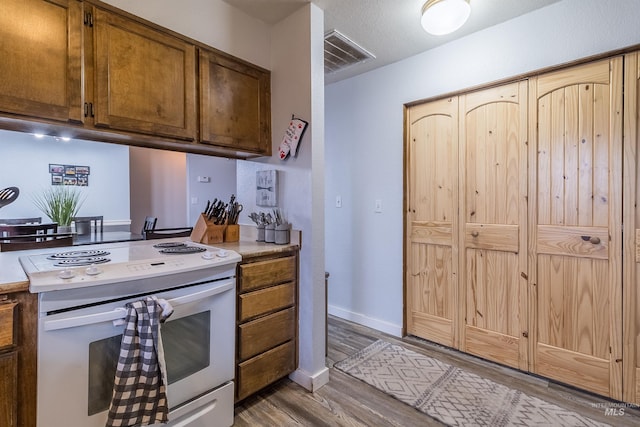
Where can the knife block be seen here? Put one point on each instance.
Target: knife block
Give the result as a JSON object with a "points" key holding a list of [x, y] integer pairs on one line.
{"points": [[207, 232], [232, 233]]}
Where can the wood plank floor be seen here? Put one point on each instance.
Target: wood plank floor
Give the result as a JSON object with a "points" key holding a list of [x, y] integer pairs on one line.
{"points": [[346, 401]]}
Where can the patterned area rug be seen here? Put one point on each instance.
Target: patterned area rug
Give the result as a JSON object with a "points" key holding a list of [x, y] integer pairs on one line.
{"points": [[450, 394]]}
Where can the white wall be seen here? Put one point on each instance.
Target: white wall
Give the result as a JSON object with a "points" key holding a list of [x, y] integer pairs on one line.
{"points": [[364, 137], [297, 87], [222, 184], [212, 22], [158, 182], [25, 164]]}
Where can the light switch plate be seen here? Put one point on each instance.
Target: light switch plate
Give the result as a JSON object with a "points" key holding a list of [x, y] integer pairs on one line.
{"points": [[378, 208], [338, 201]]}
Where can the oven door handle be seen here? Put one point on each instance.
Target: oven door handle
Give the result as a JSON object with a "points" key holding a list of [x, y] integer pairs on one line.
{"points": [[121, 312], [206, 293]]}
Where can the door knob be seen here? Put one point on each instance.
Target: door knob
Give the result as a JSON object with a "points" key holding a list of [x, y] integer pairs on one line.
{"points": [[591, 239]]}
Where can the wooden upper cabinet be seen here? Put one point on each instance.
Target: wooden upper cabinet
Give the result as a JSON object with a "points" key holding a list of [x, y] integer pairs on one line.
{"points": [[102, 73], [234, 104], [41, 66], [145, 80]]}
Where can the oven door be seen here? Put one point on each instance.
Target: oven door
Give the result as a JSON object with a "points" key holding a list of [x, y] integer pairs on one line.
{"points": [[78, 351]]}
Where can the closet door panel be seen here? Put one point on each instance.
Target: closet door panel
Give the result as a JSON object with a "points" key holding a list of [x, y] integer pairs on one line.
{"points": [[576, 232], [431, 224], [631, 220], [493, 223]]}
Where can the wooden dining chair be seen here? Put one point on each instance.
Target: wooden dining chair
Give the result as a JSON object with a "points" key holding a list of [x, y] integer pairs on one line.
{"points": [[149, 223], [17, 221], [85, 224], [35, 241], [166, 233]]}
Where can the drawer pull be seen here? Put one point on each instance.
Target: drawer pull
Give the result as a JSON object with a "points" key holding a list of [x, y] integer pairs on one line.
{"points": [[474, 234]]}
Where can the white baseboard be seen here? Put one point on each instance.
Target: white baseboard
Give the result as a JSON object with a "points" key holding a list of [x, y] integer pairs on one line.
{"points": [[308, 381], [379, 325]]}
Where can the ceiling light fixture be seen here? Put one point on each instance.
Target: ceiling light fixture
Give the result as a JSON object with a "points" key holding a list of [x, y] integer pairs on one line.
{"points": [[440, 17]]}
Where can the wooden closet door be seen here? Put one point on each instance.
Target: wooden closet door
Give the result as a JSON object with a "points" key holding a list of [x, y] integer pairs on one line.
{"points": [[631, 221], [431, 221], [576, 235], [493, 218]]}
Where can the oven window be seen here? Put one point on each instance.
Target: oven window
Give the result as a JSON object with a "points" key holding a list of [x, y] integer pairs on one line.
{"points": [[187, 350]]}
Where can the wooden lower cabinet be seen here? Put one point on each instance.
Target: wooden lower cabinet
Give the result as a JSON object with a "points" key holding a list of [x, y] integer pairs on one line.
{"points": [[18, 318], [267, 321], [8, 388], [264, 369]]}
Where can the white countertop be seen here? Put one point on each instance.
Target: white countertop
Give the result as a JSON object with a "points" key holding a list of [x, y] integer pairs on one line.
{"points": [[14, 279]]}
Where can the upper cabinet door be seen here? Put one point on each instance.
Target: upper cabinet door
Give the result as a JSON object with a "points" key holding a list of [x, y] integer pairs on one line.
{"points": [[235, 104], [41, 66], [144, 79]]}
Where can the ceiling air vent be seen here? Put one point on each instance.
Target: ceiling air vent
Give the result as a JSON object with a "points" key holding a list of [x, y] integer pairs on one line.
{"points": [[340, 52]]}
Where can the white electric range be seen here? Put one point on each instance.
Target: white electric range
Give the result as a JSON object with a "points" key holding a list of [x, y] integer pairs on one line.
{"points": [[83, 295]]}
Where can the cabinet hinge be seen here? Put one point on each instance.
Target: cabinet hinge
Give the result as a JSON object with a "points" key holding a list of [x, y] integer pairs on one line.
{"points": [[525, 334], [88, 109], [88, 19]]}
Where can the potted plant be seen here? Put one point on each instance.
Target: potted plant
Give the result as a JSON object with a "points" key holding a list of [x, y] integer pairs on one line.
{"points": [[61, 204]]}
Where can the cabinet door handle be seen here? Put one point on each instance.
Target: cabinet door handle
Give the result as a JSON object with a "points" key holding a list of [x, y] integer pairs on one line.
{"points": [[474, 234]]}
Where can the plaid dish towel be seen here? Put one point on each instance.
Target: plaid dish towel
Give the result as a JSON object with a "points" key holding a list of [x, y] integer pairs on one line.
{"points": [[139, 392]]}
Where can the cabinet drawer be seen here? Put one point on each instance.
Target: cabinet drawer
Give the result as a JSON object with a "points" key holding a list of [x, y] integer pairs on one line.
{"points": [[256, 275], [6, 324], [264, 301], [266, 332], [264, 369]]}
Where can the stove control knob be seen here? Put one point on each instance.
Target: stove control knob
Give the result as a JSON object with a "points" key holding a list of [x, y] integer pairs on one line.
{"points": [[207, 255], [93, 270], [66, 274]]}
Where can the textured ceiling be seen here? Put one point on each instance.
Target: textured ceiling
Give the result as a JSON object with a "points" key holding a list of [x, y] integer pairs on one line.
{"points": [[390, 29]]}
